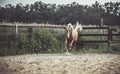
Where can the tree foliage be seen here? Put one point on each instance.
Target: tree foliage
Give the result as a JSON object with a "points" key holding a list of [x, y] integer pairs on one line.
{"points": [[62, 14]]}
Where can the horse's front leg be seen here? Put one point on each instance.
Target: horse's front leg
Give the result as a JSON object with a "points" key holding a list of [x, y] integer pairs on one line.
{"points": [[66, 45], [71, 44]]}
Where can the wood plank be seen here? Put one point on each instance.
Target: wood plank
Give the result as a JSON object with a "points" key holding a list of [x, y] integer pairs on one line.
{"points": [[115, 41], [48, 26], [93, 34], [116, 34], [100, 41]]}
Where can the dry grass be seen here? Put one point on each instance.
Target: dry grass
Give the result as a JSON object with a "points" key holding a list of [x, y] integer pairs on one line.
{"points": [[61, 64]]}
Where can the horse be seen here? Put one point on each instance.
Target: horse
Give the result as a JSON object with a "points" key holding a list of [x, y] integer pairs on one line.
{"points": [[71, 36]]}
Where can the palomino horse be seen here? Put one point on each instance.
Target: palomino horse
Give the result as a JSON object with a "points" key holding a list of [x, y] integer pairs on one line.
{"points": [[72, 36]]}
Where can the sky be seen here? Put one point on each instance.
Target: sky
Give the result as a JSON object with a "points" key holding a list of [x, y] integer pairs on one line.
{"points": [[83, 2]]}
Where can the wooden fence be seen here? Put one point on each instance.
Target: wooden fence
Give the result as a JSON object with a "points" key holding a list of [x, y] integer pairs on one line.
{"points": [[109, 35]]}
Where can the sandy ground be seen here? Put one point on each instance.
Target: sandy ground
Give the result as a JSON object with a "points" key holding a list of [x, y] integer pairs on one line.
{"points": [[61, 64]]}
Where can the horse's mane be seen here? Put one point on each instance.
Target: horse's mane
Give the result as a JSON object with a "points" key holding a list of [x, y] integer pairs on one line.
{"points": [[69, 30]]}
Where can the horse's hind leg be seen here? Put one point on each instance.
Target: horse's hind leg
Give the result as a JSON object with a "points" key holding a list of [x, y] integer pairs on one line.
{"points": [[75, 45]]}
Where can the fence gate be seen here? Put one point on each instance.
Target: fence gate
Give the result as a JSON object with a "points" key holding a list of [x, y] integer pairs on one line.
{"points": [[111, 33]]}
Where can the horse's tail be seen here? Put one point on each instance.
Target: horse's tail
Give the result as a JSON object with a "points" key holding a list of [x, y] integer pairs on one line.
{"points": [[78, 27]]}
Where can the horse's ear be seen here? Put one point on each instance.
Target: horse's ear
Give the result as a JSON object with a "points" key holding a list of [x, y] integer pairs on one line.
{"points": [[67, 26]]}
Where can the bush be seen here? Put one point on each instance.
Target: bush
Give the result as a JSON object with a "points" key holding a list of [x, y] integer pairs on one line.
{"points": [[45, 41], [22, 43], [9, 46], [41, 41]]}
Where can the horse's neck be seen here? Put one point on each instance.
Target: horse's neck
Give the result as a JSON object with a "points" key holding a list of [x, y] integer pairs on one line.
{"points": [[69, 33]]}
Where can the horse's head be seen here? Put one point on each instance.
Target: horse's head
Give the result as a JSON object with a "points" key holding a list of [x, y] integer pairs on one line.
{"points": [[69, 29]]}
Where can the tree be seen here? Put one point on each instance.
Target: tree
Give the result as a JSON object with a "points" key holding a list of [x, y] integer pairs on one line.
{"points": [[62, 14]]}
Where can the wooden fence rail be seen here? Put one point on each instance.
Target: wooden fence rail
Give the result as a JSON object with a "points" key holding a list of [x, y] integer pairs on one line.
{"points": [[109, 35]]}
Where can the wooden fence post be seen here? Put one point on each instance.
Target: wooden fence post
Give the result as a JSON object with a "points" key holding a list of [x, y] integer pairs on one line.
{"points": [[109, 37], [30, 33], [16, 29], [101, 24]]}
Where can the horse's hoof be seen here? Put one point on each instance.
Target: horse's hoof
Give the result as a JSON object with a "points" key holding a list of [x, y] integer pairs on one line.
{"points": [[67, 53]]}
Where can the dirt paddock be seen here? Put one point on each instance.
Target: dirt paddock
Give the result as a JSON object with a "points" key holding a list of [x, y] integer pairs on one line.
{"points": [[61, 64]]}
